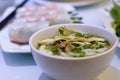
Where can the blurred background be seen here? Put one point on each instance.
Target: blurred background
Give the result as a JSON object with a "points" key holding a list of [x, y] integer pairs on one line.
{"points": [[4, 4]]}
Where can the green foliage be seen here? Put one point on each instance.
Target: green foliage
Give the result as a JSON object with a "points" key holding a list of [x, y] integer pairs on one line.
{"points": [[115, 14]]}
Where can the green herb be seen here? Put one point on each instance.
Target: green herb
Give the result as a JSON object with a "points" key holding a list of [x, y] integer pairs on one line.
{"points": [[94, 42], [47, 48], [55, 52], [82, 54], [87, 46], [78, 34], [107, 43], [38, 46], [75, 44], [83, 35], [89, 35], [101, 46], [65, 32], [115, 14], [117, 30], [76, 19], [77, 50], [61, 32]]}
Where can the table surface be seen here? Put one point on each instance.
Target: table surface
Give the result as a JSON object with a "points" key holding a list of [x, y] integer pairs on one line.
{"points": [[23, 66]]}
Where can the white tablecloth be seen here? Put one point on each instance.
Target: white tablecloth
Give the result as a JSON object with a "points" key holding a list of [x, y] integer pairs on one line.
{"points": [[22, 66]]}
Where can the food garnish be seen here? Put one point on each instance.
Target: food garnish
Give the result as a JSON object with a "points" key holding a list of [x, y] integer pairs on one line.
{"points": [[71, 43]]}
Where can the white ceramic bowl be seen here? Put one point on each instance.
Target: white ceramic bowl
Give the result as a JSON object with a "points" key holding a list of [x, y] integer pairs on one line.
{"points": [[61, 68]]}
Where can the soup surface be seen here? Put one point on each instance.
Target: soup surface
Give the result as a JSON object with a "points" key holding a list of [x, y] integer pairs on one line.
{"points": [[71, 43]]}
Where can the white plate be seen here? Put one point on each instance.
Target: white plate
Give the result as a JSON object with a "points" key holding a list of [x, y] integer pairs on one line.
{"points": [[9, 47], [77, 3]]}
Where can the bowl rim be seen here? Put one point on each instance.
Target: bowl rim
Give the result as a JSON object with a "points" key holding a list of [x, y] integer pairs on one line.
{"points": [[72, 58]]}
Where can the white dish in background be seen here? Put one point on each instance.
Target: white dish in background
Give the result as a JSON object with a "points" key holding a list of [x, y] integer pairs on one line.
{"points": [[77, 3], [9, 47], [107, 20], [5, 43]]}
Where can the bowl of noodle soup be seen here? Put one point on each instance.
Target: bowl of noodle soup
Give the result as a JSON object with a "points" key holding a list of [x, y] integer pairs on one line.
{"points": [[82, 51]]}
